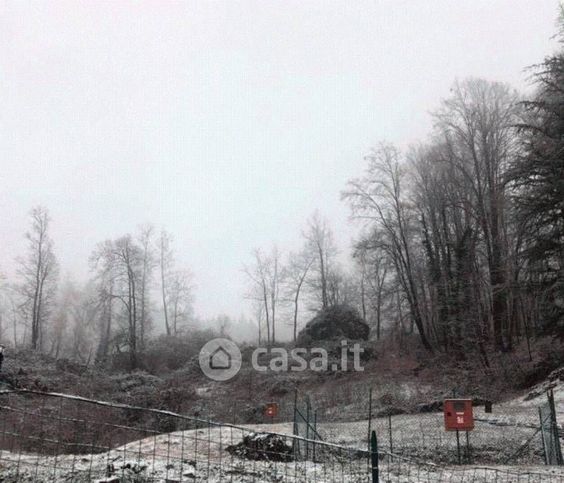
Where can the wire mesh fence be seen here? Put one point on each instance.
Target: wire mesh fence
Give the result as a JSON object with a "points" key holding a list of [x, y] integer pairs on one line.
{"points": [[509, 435], [52, 437], [549, 432], [397, 469], [305, 425], [493, 440], [55, 437]]}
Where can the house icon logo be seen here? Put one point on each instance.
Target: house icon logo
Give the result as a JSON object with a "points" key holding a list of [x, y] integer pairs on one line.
{"points": [[220, 359]]}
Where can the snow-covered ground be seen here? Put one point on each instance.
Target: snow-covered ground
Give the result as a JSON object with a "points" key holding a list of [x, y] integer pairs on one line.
{"points": [[201, 455], [121, 466], [509, 432], [508, 435]]}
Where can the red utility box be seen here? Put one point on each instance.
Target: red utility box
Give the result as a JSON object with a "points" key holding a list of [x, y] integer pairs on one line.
{"points": [[271, 410], [458, 415]]}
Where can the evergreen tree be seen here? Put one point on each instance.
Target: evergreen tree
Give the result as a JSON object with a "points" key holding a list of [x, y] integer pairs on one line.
{"points": [[538, 177]]}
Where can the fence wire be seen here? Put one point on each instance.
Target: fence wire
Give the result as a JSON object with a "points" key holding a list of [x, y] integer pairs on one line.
{"points": [[402, 470], [61, 438], [54, 437], [509, 435]]}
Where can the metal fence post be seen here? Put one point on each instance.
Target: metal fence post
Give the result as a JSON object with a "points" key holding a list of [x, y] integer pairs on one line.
{"points": [[467, 447], [314, 432], [554, 428], [542, 437], [295, 443], [369, 416], [308, 416], [374, 457], [390, 434]]}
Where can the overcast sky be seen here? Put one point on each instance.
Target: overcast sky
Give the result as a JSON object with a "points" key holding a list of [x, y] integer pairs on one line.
{"points": [[227, 122]]}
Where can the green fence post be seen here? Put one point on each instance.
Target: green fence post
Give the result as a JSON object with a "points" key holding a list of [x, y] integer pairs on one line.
{"points": [[546, 462], [374, 457], [554, 429]]}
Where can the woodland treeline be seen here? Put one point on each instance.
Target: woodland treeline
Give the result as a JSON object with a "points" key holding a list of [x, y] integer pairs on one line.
{"points": [[462, 238], [134, 279], [460, 245], [471, 223]]}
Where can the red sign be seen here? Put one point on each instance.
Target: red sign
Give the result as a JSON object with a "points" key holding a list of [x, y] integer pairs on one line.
{"points": [[271, 410], [458, 415]]}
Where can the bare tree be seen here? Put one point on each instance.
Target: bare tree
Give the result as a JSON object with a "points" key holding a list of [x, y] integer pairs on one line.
{"points": [[10, 309], [60, 321], [180, 300], [258, 310], [84, 309], [122, 262], [374, 269], [71, 332], [297, 269], [275, 275], [145, 239], [166, 264], [38, 272], [380, 198], [320, 245], [477, 123], [454, 293], [176, 288], [265, 275], [104, 280]]}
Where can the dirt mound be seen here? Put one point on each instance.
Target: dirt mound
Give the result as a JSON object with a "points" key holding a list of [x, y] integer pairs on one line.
{"points": [[339, 321], [262, 446]]}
